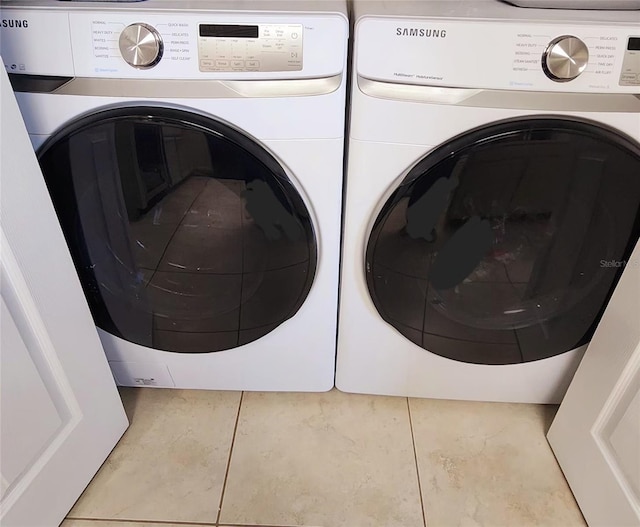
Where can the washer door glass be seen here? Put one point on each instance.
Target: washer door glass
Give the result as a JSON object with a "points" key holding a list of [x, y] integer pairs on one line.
{"points": [[187, 235], [505, 244]]}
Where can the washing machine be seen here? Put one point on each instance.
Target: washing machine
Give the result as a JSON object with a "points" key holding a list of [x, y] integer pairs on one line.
{"points": [[492, 195], [194, 155]]}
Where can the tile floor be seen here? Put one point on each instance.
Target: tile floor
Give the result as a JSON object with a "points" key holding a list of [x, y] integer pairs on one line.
{"points": [[198, 458]]}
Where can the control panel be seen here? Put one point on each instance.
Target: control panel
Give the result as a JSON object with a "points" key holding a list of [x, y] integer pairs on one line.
{"points": [[528, 56], [260, 47], [153, 44], [142, 45], [221, 47], [630, 75]]}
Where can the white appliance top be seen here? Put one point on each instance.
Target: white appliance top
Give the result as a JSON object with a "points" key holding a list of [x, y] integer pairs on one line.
{"points": [[578, 4], [247, 6], [479, 9]]}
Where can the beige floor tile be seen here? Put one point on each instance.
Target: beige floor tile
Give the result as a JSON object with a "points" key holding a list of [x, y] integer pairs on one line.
{"points": [[171, 462], [121, 523], [489, 464], [327, 460]]}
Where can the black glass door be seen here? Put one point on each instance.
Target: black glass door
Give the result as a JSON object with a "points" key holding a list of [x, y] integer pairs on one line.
{"points": [[505, 244], [187, 235]]}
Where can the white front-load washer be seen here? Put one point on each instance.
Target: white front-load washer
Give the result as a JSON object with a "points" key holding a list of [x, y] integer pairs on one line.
{"points": [[194, 154], [492, 195]]}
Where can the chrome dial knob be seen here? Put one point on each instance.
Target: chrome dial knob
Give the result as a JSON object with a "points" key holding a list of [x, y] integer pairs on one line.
{"points": [[565, 58], [140, 45]]}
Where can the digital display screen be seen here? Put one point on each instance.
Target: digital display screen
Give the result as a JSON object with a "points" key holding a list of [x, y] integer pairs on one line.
{"points": [[228, 31], [634, 44]]}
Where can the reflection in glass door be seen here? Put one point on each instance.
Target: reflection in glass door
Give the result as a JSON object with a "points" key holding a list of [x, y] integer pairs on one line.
{"points": [[504, 245], [187, 235]]}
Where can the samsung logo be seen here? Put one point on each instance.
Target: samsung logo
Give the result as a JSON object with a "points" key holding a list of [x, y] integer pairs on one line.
{"points": [[420, 32], [9, 22]]}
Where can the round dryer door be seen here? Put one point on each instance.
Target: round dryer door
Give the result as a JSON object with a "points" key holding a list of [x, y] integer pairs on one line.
{"points": [[504, 245], [188, 236]]}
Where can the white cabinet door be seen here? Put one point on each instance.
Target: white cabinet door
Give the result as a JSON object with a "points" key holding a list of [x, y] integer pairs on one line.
{"points": [[60, 413], [596, 433]]}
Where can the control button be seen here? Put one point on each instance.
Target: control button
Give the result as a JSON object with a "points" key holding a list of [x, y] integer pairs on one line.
{"points": [[140, 45], [629, 79], [237, 63], [565, 58], [294, 35], [222, 63], [253, 64], [206, 63]]}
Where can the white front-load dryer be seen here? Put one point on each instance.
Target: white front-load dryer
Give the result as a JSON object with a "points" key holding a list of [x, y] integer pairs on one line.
{"points": [[194, 152], [492, 195]]}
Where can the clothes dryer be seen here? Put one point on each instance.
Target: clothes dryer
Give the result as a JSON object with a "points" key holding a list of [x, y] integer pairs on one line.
{"points": [[492, 195], [193, 151]]}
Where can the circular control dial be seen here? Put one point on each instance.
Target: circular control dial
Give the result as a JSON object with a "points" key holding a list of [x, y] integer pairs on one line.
{"points": [[140, 45], [565, 58]]}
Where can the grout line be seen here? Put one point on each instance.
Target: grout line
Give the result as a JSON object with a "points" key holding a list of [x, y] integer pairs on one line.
{"points": [[143, 522], [263, 525], [167, 522], [415, 457], [226, 474], [260, 525]]}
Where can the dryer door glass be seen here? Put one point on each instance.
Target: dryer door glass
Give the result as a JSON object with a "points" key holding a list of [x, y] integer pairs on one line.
{"points": [[187, 235], [505, 244]]}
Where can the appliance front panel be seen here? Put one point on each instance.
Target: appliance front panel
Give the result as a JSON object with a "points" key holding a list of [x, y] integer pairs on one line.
{"points": [[501, 55], [384, 361]]}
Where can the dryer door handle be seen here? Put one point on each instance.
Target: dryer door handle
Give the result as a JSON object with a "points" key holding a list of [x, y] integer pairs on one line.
{"points": [[199, 89], [509, 99]]}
